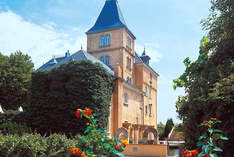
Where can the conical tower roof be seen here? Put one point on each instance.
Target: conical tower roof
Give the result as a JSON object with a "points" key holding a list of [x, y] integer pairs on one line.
{"points": [[110, 18]]}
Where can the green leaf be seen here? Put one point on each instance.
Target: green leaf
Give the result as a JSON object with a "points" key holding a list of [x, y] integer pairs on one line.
{"points": [[211, 130], [202, 137], [217, 149], [213, 155], [201, 154], [223, 138]]}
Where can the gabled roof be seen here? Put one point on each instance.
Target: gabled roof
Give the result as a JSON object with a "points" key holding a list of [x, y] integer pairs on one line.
{"points": [[110, 18], [78, 56]]}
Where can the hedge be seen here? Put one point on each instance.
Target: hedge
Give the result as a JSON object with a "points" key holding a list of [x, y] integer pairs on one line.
{"points": [[35, 145], [58, 93]]}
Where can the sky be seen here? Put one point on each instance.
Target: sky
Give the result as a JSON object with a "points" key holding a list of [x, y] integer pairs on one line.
{"points": [[170, 30]]}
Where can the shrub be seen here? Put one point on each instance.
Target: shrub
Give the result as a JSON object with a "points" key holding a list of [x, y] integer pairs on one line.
{"points": [[14, 128], [66, 88], [34, 145], [8, 116]]}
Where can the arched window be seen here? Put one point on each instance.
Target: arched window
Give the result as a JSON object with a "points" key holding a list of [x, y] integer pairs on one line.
{"points": [[107, 60], [102, 40], [107, 40], [102, 59]]}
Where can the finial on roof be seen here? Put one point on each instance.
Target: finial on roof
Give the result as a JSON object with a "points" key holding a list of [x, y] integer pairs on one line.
{"points": [[81, 47], [144, 53]]}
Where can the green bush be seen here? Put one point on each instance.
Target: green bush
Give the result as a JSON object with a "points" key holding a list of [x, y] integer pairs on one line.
{"points": [[58, 93], [8, 116], [34, 145], [14, 128]]}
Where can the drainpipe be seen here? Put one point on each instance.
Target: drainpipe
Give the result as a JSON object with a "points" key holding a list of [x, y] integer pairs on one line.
{"points": [[143, 110]]}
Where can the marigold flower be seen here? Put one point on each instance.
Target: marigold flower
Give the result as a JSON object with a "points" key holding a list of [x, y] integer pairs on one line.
{"points": [[213, 119], [118, 147], [76, 151], [78, 113], [83, 154], [194, 152], [88, 112], [189, 155], [124, 142]]}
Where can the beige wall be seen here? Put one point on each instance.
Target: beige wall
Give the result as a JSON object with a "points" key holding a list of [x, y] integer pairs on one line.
{"points": [[146, 150]]}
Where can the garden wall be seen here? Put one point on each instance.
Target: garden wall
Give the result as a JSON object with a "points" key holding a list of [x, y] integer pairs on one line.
{"points": [[146, 150]]}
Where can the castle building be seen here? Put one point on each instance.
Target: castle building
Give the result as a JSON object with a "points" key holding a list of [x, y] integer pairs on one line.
{"points": [[133, 111]]}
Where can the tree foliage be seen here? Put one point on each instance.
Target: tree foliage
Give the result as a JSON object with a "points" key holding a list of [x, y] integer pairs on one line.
{"points": [[208, 81], [168, 127], [15, 79], [58, 93]]}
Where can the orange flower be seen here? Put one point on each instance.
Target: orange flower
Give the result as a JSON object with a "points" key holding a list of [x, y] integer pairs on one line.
{"points": [[88, 112], [213, 119], [76, 151], [78, 113], [194, 152], [189, 155], [124, 142], [83, 154], [118, 147]]}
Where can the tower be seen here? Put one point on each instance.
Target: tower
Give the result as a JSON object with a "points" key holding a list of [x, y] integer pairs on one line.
{"points": [[111, 41]]}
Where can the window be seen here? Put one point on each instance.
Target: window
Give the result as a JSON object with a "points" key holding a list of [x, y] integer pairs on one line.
{"points": [[107, 40], [125, 98], [102, 59], [150, 89], [146, 109], [151, 78], [129, 42], [137, 120], [146, 91], [107, 60], [150, 109], [129, 63], [102, 40]]}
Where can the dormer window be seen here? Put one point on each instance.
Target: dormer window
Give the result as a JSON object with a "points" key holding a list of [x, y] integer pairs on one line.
{"points": [[102, 40], [107, 40], [129, 42]]}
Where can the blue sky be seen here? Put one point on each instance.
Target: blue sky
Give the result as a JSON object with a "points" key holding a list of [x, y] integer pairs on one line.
{"points": [[169, 29]]}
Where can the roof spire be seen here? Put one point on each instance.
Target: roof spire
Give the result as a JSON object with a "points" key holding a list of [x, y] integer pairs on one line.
{"points": [[110, 18]]}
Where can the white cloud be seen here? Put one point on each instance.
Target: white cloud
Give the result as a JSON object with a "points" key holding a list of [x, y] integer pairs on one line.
{"points": [[41, 42], [151, 50]]}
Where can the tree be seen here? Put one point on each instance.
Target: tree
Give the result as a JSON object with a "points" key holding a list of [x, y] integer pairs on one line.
{"points": [[168, 127], [58, 93], [208, 81], [161, 128], [15, 79]]}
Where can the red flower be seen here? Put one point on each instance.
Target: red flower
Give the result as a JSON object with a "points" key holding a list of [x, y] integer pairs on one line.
{"points": [[78, 113], [118, 147], [213, 119], [186, 152], [70, 150], [189, 155], [205, 121], [205, 155], [88, 112], [208, 124], [194, 152], [76, 151]]}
